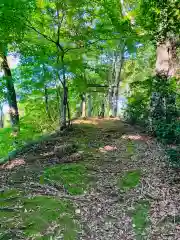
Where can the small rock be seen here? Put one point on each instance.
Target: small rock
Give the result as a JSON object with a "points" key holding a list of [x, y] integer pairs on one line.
{"points": [[77, 211]]}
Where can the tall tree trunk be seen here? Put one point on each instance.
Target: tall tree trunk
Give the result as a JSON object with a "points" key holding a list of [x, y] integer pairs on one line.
{"points": [[65, 96], [89, 105], [163, 101], [119, 60], [117, 65], [12, 101]]}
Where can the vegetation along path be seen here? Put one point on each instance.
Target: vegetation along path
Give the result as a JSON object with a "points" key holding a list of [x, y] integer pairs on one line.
{"points": [[104, 179]]}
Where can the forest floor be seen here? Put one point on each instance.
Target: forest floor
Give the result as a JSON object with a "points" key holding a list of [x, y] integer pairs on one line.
{"points": [[122, 189]]}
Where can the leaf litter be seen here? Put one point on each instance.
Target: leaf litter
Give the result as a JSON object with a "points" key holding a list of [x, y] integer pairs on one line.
{"points": [[132, 193]]}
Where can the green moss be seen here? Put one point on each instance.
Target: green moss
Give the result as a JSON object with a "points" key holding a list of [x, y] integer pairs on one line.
{"points": [[10, 206], [70, 227], [8, 197], [140, 218], [130, 148], [41, 211], [72, 177], [34, 215], [129, 180]]}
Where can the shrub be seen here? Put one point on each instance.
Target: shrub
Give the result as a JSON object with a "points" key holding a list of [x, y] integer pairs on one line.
{"points": [[174, 156]]}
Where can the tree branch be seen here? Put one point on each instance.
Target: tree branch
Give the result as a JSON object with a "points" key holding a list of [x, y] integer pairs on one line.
{"points": [[29, 25], [89, 44], [97, 85], [59, 24]]}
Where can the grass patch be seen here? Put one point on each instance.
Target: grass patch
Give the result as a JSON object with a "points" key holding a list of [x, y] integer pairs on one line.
{"points": [[9, 143], [72, 176], [140, 218], [129, 180]]}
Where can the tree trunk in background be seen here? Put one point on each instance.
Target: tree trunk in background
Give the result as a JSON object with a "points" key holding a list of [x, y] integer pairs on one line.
{"points": [[102, 112], [12, 101], [163, 101], [68, 113], [89, 105], [65, 97], [64, 108], [110, 99], [1, 117], [58, 99], [83, 97], [119, 60], [47, 102], [116, 98], [115, 78]]}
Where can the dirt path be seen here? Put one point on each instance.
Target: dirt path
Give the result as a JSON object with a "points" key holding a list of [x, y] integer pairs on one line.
{"points": [[121, 190]]}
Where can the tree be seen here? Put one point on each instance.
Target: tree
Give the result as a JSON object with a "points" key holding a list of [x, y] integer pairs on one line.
{"points": [[11, 95], [160, 19], [11, 32]]}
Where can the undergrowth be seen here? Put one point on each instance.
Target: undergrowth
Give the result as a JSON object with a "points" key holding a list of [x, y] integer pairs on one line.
{"points": [[154, 104], [10, 142]]}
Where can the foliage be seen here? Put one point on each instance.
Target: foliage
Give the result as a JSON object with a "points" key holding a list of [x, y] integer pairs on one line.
{"points": [[168, 133], [165, 115], [138, 102], [138, 71], [30, 130], [174, 156], [164, 121], [159, 18]]}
